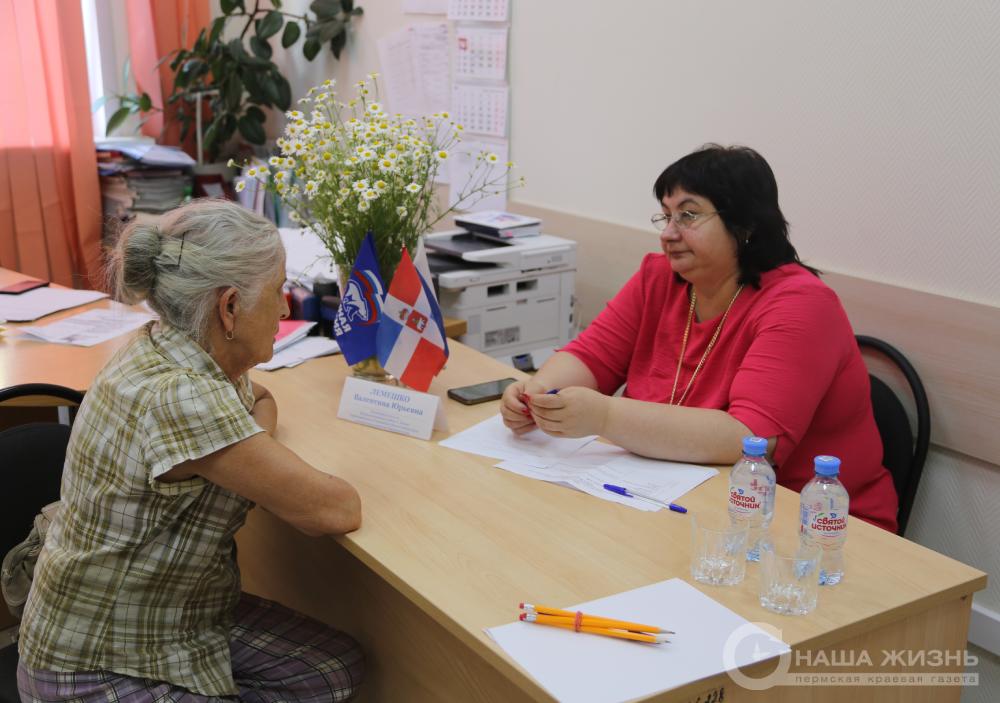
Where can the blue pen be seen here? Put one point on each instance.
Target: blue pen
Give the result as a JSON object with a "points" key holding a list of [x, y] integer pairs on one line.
{"points": [[622, 491], [552, 392]]}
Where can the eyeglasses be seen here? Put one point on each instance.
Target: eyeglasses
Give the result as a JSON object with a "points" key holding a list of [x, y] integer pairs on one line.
{"points": [[685, 219]]}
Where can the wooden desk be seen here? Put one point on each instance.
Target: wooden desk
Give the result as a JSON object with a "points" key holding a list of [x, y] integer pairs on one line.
{"points": [[450, 545], [25, 361]]}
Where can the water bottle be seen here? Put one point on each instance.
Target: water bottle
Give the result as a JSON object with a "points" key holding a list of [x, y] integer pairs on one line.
{"points": [[823, 507], [751, 493]]}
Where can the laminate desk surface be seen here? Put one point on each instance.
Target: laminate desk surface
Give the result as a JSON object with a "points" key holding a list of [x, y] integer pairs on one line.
{"points": [[464, 543]]}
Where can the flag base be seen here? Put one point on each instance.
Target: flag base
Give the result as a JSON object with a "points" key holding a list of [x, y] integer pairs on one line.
{"points": [[371, 370]]}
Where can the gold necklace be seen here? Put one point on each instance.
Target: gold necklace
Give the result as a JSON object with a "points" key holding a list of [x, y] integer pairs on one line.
{"points": [[711, 343]]}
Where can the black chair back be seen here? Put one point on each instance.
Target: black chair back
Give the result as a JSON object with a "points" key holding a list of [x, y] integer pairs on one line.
{"points": [[904, 454], [32, 458]]}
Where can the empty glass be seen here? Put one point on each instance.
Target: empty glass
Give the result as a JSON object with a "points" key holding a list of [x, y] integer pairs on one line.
{"points": [[789, 575], [718, 550]]}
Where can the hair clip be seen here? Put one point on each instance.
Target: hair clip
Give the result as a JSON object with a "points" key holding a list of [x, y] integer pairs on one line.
{"points": [[177, 264]]}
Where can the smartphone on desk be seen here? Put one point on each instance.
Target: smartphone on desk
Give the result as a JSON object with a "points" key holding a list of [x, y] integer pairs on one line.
{"points": [[23, 286], [480, 392]]}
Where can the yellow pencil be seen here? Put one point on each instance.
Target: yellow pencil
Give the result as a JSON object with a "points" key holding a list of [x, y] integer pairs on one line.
{"points": [[594, 620], [604, 631]]}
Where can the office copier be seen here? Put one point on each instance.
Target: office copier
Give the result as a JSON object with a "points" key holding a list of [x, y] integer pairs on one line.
{"points": [[517, 295]]}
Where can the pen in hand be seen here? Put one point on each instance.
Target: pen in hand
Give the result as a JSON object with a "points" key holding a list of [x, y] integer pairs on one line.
{"points": [[622, 491]]}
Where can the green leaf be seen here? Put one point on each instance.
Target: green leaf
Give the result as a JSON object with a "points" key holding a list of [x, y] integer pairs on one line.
{"points": [[117, 118], [337, 44], [217, 25], [199, 43], [208, 139], [291, 34], [358, 11], [255, 113], [145, 103], [270, 90], [328, 30], [126, 69], [277, 4], [270, 25], [348, 5], [251, 81], [232, 90], [236, 49], [99, 103], [284, 100], [227, 6], [252, 130], [325, 8], [260, 47], [310, 49]]}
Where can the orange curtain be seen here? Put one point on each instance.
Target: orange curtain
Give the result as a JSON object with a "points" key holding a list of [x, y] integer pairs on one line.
{"points": [[157, 27], [50, 202]]}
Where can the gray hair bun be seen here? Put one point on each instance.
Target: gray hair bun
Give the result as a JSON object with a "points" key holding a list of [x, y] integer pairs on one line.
{"points": [[136, 252]]}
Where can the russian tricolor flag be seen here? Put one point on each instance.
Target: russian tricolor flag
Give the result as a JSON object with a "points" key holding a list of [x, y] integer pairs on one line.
{"points": [[410, 341]]}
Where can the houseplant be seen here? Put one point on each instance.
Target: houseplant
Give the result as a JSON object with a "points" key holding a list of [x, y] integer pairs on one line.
{"points": [[237, 76], [349, 168]]}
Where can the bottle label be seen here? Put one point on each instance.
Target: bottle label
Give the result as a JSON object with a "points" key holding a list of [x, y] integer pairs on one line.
{"points": [[823, 523], [744, 501]]}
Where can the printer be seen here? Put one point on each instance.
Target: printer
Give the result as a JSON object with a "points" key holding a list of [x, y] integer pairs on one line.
{"points": [[517, 295]]}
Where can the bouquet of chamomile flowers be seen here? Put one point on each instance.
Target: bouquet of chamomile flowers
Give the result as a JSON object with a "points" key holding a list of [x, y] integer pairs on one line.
{"points": [[349, 168]]}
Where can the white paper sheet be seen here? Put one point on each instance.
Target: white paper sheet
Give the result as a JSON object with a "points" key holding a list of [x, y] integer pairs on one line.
{"points": [[481, 109], [40, 302], [479, 10], [598, 463], [490, 438], [88, 328], [429, 43], [299, 332], [461, 165], [300, 351], [481, 53], [582, 668]]}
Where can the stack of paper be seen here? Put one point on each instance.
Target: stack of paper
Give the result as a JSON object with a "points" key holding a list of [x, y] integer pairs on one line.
{"points": [[40, 302], [709, 639], [88, 328], [301, 350], [581, 464], [290, 332]]}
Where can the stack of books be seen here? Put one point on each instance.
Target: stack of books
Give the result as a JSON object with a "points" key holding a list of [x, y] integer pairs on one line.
{"points": [[499, 225], [140, 176]]}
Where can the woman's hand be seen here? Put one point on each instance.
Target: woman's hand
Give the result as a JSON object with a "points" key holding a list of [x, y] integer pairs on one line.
{"points": [[572, 412], [513, 408], [265, 409]]}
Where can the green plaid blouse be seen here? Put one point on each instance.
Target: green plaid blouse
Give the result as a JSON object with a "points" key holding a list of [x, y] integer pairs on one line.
{"points": [[139, 576]]}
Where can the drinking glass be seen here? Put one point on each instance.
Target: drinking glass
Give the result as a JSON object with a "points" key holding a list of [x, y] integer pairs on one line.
{"points": [[718, 550], [789, 575]]}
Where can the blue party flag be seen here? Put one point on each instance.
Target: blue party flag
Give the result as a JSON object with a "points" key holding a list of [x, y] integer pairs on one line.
{"points": [[360, 312]]}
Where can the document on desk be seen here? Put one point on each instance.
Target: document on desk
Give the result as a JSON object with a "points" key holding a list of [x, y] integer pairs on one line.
{"points": [[300, 351], [490, 438], [88, 328], [598, 463], [40, 302], [710, 639]]}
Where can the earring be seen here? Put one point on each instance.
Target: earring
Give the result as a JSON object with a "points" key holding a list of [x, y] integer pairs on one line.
{"points": [[229, 335]]}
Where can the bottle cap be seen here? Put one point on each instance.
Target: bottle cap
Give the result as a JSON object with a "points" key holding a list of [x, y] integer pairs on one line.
{"points": [[827, 465], [754, 446]]}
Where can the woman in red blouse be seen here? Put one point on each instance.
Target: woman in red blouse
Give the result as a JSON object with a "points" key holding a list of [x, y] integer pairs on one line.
{"points": [[723, 335]]}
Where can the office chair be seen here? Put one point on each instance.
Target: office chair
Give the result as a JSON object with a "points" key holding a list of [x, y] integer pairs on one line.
{"points": [[33, 457], [903, 455]]}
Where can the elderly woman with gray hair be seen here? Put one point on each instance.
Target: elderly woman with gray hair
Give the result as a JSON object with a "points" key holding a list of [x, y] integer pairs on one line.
{"points": [[136, 594]]}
